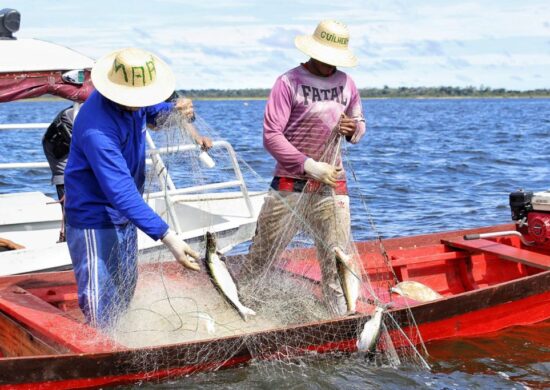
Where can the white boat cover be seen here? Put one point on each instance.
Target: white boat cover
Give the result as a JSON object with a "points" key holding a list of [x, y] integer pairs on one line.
{"points": [[31, 68], [28, 55]]}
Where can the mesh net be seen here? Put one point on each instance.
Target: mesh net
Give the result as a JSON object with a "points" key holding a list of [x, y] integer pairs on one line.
{"points": [[290, 275]]}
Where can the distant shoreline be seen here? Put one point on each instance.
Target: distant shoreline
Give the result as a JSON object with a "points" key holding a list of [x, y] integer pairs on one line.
{"points": [[386, 97], [366, 93], [229, 98], [382, 93]]}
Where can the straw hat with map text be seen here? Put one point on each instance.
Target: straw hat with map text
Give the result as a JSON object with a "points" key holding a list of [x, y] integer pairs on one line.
{"points": [[133, 77]]}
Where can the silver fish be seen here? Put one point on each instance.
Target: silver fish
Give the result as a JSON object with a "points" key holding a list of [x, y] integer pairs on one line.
{"points": [[222, 279], [415, 290], [371, 332], [349, 276]]}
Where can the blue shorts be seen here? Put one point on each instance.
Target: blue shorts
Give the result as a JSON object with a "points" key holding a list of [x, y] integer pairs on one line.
{"points": [[105, 267]]}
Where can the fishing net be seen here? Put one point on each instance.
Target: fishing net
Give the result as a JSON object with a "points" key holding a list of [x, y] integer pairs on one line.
{"points": [[288, 275]]}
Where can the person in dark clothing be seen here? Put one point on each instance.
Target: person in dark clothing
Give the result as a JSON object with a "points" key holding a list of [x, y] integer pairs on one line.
{"points": [[56, 143]]}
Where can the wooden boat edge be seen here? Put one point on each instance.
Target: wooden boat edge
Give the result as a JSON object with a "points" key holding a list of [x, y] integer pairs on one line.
{"points": [[105, 368]]}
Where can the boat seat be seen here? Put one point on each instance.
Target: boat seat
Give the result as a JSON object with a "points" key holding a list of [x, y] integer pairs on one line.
{"points": [[523, 256], [52, 323]]}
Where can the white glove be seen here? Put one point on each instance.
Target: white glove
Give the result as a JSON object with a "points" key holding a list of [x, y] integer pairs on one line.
{"points": [[320, 171], [183, 253]]}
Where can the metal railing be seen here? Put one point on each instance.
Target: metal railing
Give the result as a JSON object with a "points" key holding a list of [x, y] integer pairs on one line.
{"points": [[160, 170], [23, 126], [170, 189]]}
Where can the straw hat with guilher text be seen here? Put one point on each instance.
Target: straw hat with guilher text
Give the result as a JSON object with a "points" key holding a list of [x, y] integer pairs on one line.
{"points": [[133, 77], [328, 44]]}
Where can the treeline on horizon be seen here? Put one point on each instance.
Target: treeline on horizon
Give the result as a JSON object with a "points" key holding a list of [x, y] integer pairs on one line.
{"points": [[385, 92]]}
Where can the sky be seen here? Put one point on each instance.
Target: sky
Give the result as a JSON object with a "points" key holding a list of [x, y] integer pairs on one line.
{"points": [[227, 44]]}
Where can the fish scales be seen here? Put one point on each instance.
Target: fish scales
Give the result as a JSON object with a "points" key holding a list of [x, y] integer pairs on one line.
{"points": [[368, 339], [349, 279], [222, 279], [415, 290]]}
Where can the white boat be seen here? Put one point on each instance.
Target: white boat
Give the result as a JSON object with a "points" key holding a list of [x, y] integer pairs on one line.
{"points": [[31, 68]]}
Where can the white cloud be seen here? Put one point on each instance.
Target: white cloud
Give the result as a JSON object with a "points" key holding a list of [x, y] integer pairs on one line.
{"points": [[215, 44]]}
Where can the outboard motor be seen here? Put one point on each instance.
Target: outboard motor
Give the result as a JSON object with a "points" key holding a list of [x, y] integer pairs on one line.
{"points": [[520, 204], [531, 211]]}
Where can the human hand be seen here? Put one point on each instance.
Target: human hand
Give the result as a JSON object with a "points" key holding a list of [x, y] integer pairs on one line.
{"points": [[185, 108], [10, 245], [321, 171], [183, 253], [204, 142], [347, 126]]}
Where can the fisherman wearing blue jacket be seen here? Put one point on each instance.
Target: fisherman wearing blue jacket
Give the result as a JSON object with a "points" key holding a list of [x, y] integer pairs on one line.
{"points": [[104, 181]]}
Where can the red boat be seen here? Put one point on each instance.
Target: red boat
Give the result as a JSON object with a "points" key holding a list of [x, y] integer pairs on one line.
{"points": [[498, 278], [486, 284]]}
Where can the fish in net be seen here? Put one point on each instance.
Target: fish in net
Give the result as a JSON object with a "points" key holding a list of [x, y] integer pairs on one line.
{"points": [[288, 275]]}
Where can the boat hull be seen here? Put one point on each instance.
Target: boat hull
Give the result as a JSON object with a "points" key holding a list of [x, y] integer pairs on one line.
{"points": [[520, 299]]}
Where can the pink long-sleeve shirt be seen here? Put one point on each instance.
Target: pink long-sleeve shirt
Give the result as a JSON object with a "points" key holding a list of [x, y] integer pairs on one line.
{"points": [[302, 111]]}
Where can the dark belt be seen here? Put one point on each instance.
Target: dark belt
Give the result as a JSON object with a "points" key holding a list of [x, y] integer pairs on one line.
{"points": [[291, 184]]}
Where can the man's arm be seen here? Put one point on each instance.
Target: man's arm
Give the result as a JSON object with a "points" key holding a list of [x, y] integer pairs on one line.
{"points": [[204, 142], [353, 129], [5, 243], [152, 113], [277, 113], [353, 124], [185, 108]]}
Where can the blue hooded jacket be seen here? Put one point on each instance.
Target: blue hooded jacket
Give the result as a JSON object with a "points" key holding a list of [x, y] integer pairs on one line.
{"points": [[105, 173]]}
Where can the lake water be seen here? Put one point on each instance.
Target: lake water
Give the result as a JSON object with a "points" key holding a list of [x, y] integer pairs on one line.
{"points": [[424, 166]]}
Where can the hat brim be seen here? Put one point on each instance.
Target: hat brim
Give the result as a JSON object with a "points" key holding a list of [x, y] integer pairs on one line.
{"points": [[332, 56], [150, 95]]}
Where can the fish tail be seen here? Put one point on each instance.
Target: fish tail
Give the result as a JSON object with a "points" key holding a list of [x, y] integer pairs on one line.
{"points": [[245, 312]]}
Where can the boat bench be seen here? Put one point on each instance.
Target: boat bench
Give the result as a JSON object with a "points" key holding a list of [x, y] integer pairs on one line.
{"points": [[52, 323], [532, 259]]}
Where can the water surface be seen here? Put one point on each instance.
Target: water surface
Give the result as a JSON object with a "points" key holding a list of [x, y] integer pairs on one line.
{"points": [[424, 166]]}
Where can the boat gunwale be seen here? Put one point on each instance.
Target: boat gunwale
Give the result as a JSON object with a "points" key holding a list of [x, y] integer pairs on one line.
{"points": [[113, 362]]}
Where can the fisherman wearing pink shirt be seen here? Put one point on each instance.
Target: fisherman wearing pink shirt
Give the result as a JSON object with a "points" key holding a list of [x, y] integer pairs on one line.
{"points": [[310, 109]]}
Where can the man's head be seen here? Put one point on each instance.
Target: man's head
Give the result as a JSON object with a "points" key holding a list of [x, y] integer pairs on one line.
{"points": [[320, 68], [328, 44], [133, 78]]}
